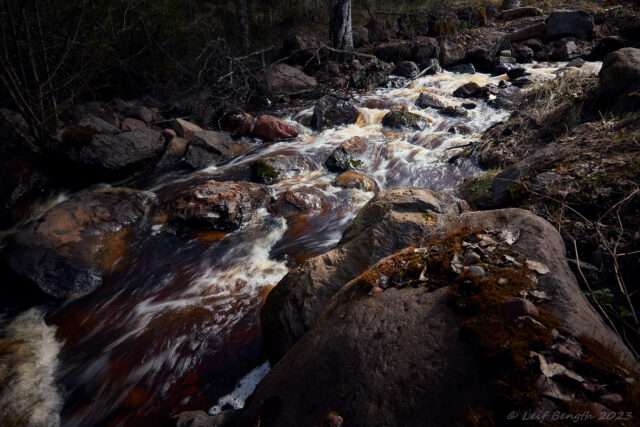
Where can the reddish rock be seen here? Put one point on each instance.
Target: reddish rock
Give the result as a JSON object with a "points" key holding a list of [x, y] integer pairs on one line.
{"points": [[131, 124], [517, 307], [217, 205], [291, 203], [613, 398], [272, 128], [352, 179]]}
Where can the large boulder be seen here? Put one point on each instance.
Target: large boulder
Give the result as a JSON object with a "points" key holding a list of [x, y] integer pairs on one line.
{"points": [[291, 307], [407, 69], [349, 155], [331, 111], [214, 205], [112, 154], [68, 251], [426, 100], [268, 170], [568, 23], [619, 78], [285, 80], [294, 202], [451, 52], [373, 74], [423, 332], [185, 129], [210, 148], [424, 50], [272, 128], [395, 51], [354, 179]]}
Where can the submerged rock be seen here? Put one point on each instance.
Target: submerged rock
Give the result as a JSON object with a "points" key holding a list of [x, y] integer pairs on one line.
{"points": [[331, 111], [352, 179], [68, 251], [426, 100], [403, 120], [217, 205], [294, 202]]}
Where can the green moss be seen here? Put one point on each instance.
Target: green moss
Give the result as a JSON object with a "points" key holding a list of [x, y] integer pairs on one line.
{"points": [[353, 164], [477, 189], [264, 171]]}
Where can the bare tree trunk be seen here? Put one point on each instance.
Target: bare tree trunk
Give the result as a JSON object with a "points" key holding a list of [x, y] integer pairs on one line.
{"points": [[243, 17], [341, 32]]}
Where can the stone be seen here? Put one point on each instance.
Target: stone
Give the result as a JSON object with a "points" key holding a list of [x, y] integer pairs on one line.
{"points": [[291, 307], [527, 32], [607, 45], [517, 307], [236, 122], [294, 202], [268, 170], [380, 31], [131, 124], [112, 154], [432, 66], [210, 148], [97, 109], [565, 51], [20, 183], [468, 90], [403, 120], [524, 54], [476, 270], [97, 124], [353, 179], [463, 69], [611, 399], [568, 23], [598, 410], [395, 51], [331, 111], [407, 69], [426, 100], [451, 52], [185, 129], [295, 43], [620, 72], [285, 80], [454, 111], [374, 73], [515, 73], [443, 22], [272, 128], [425, 49], [521, 12], [69, 250], [214, 205], [360, 36], [176, 149]]}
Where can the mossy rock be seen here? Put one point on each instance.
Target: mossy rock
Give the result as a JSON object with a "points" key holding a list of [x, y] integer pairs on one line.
{"points": [[404, 120], [264, 172]]}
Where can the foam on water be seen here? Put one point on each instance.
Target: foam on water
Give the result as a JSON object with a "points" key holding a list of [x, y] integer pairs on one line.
{"points": [[28, 362], [243, 390]]}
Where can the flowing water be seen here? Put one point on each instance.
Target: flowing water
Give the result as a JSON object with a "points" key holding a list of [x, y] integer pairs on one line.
{"points": [[175, 327]]}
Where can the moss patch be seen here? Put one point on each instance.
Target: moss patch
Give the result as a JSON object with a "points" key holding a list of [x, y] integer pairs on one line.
{"points": [[265, 172]]}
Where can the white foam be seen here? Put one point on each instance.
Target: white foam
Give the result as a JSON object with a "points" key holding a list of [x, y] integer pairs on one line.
{"points": [[243, 390], [28, 362]]}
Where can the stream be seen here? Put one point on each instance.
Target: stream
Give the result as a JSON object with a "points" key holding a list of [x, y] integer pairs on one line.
{"points": [[176, 326]]}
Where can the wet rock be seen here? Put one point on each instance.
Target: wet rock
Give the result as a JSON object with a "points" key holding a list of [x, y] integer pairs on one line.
{"points": [[451, 52], [210, 148], [69, 250], [217, 205], [352, 179], [374, 74], [517, 307], [20, 183], [468, 90], [568, 23], [521, 12], [236, 122], [482, 55], [285, 80], [291, 306], [291, 203], [403, 120], [407, 69], [268, 170], [185, 129], [620, 72], [331, 111], [176, 149], [272, 128], [454, 111], [426, 100], [432, 66], [527, 32], [515, 73], [469, 105], [463, 69], [115, 154], [502, 65]]}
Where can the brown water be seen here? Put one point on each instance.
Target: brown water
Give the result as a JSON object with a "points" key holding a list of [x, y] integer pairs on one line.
{"points": [[176, 325]]}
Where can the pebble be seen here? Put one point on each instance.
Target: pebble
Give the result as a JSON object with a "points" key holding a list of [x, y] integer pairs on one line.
{"points": [[503, 281], [517, 307], [477, 270]]}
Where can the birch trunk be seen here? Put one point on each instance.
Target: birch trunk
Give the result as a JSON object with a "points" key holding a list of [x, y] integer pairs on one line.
{"points": [[341, 32]]}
